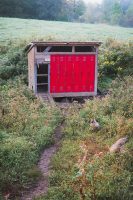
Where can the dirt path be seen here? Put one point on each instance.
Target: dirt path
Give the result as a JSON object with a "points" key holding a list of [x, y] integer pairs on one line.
{"points": [[44, 166]]}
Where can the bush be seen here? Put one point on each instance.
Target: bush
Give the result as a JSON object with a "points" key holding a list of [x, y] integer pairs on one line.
{"points": [[13, 62], [26, 127], [115, 59], [84, 168]]}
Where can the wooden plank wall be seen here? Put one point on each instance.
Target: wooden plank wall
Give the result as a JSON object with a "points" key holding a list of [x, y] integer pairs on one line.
{"points": [[31, 70]]}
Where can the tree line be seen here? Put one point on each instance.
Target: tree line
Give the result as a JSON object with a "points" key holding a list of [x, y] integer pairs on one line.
{"points": [[116, 12], [63, 10], [109, 11]]}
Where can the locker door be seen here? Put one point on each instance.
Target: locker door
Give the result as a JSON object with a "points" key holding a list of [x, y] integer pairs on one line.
{"points": [[52, 74], [61, 77], [83, 74], [69, 69], [55, 74], [79, 71], [91, 72], [76, 62]]}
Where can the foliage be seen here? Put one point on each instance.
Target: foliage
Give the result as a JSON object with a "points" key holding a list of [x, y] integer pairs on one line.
{"points": [[26, 126], [13, 62], [41, 9], [115, 60], [109, 11], [84, 168], [15, 8], [117, 12]]}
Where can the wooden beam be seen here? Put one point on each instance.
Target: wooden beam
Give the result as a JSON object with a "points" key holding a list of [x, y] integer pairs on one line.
{"points": [[47, 49], [73, 94]]}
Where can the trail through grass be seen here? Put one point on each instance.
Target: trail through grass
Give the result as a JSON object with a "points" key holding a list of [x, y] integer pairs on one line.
{"points": [[41, 187]]}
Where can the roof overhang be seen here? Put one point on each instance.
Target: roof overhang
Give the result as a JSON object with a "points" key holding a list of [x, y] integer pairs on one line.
{"points": [[34, 43]]}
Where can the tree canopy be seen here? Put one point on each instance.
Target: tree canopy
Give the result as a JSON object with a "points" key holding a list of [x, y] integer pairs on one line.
{"points": [[115, 12], [110, 11]]}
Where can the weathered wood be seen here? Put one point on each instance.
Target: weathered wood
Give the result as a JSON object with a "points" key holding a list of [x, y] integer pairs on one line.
{"points": [[96, 70], [42, 74], [73, 94], [31, 70], [47, 49], [42, 55], [35, 43], [47, 98]]}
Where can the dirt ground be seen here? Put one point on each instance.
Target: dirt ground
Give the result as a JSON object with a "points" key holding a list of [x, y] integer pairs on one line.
{"points": [[44, 166]]}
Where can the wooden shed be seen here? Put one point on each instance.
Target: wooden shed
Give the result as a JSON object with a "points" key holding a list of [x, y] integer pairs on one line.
{"points": [[63, 69]]}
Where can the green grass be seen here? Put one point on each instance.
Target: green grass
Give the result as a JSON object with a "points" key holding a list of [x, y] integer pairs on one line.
{"points": [[83, 168], [28, 29], [27, 126]]}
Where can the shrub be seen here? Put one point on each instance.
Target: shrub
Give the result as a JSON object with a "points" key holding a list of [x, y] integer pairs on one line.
{"points": [[26, 127], [13, 62], [115, 59], [84, 168]]}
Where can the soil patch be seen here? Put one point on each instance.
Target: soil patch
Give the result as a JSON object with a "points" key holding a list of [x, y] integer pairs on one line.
{"points": [[42, 185]]}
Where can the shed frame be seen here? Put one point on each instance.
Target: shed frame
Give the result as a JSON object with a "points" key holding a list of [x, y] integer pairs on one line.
{"points": [[35, 58]]}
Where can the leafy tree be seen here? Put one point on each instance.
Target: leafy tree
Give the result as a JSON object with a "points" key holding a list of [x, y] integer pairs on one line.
{"points": [[110, 11], [130, 15], [107, 9], [72, 10], [16, 8], [49, 10], [116, 13], [124, 5]]}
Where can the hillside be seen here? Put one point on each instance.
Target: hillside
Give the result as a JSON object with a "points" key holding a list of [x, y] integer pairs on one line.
{"points": [[83, 168], [15, 29]]}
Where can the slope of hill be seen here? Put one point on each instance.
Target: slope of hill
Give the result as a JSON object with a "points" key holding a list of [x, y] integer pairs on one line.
{"points": [[27, 125], [14, 29]]}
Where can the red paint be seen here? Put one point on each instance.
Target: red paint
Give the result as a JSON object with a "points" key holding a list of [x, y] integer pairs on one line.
{"points": [[72, 73]]}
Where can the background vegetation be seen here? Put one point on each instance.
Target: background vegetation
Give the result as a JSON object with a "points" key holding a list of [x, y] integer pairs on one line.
{"points": [[83, 168], [109, 11]]}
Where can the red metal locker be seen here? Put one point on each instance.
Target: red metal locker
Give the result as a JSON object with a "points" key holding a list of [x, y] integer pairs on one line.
{"points": [[72, 73]]}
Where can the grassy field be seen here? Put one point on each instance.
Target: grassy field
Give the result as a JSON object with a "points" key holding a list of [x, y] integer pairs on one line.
{"points": [[27, 125], [28, 29]]}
